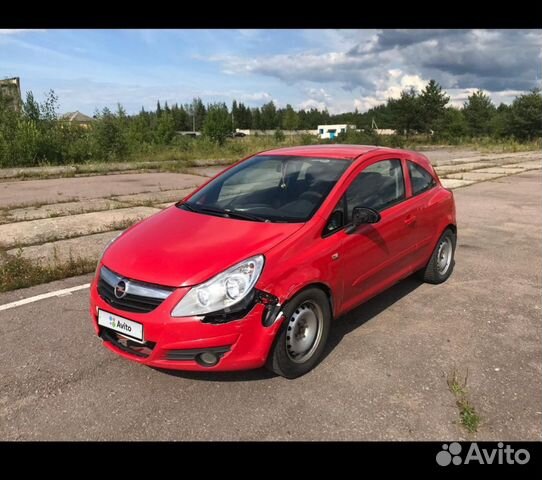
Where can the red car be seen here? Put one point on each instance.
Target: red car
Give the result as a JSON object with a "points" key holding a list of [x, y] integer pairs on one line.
{"points": [[252, 267]]}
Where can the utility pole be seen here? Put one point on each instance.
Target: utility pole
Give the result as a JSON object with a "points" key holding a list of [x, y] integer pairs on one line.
{"points": [[194, 115]]}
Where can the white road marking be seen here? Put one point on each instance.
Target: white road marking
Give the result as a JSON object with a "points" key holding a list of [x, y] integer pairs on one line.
{"points": [[43, 296]]}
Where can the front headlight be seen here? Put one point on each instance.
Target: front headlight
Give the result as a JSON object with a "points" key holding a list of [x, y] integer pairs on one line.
{"points": [[222, 291]]}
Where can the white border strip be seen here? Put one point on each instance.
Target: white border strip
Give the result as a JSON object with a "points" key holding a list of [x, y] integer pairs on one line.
{"points": [[43, 296]]}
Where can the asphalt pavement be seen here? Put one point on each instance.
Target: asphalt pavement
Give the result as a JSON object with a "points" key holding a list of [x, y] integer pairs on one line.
{"points": [[383, 378]]}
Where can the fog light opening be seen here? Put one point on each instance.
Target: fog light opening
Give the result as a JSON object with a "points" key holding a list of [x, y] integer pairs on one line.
{"points": [[207, 359]]}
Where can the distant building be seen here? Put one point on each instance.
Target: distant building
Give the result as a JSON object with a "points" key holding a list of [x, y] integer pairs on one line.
{"points": [[188, 133], [379, 131], [385, 131], [77, 118], [10, 90], [331, 131], [253, 132]]}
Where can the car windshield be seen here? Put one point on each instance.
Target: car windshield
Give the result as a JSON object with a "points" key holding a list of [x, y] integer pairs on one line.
{"points": [[270, 188]]}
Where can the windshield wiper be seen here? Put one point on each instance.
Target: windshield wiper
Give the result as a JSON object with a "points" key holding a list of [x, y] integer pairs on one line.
{"points": [[223, 213], [245, 216], [188, 206], [198, 209]]}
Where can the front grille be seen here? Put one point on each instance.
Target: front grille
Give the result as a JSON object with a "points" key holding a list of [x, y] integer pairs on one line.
{"points": [[143, 299], [130, 303], [135, 348]]}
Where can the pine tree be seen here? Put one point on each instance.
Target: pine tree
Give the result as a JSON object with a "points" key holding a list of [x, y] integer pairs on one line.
{"points": [[290, 119], [526, 116], [406, 111], [433, 103], [478, 111], [217, 124]]}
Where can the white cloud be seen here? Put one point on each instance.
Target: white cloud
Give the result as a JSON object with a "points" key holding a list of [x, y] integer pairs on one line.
{"points": [[249, 33], [292, 68], [338, 40], [335, 69], [254, 97], [311, 103], [318, 94], [17, 31], [375, 65], [459, 96]]}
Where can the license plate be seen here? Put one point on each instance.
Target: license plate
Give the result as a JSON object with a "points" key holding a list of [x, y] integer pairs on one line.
{"points": [[125, 327]]}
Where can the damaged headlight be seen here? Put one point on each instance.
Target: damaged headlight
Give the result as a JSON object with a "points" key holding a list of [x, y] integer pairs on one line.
{"points": [[222, 291]]}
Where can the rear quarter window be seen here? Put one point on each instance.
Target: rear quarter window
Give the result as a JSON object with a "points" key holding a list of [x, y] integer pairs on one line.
{"points": [[420, 179]]}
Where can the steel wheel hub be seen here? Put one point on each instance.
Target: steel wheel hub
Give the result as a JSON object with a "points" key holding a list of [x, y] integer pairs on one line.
{"points": [[444, 256], [304, 332]]}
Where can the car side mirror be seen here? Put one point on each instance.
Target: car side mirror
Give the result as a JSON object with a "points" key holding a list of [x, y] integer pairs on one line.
{"points": [[361, 216]]}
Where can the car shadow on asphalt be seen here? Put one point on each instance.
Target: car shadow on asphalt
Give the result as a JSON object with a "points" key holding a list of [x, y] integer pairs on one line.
{"points": [[341, 327], [367, 311]]}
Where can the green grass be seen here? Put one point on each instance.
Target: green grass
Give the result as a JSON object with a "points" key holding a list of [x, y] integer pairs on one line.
{"points": [[120, 224], [469, 418], [186, 153], [19, 272], [482, 144], [489, 145]]}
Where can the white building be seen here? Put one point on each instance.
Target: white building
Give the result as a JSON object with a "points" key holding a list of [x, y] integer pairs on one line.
{"points": [[252, 132], [188, 133], [331, 131], [385, 131]]}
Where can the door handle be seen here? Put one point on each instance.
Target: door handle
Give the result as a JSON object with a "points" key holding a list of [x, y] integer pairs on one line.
{"points": [[410, 219]]}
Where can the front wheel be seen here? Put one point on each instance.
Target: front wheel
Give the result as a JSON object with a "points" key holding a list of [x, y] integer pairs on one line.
{"points": [[441, 263], [302, 338]]}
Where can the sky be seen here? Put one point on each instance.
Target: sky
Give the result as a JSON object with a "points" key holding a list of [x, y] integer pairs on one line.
{"points": [[335, 69]]}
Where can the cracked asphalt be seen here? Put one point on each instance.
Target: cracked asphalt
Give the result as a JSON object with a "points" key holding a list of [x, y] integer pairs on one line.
{"points": [[383, 378]]}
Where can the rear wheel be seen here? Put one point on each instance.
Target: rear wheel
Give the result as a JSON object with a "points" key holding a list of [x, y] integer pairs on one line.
{"points": [[441, 264], [302, 338]]}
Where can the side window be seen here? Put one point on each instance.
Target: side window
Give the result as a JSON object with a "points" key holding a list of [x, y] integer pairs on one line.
{"points": [[379, 186], [420, 179]]}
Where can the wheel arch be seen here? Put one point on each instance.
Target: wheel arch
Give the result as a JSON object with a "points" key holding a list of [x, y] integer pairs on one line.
{"points": [[447, 226], [452, 227], [321, 286]]}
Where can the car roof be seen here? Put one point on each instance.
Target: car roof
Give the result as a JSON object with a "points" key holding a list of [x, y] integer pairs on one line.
{"points": [[347, 152], [341, 151]]}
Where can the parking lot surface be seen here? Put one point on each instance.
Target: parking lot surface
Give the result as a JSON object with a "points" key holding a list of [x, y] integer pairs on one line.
{"points": [[384, 376]]}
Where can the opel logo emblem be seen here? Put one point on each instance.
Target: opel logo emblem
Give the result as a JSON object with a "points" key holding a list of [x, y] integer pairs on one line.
{"points": [[121, 289]]}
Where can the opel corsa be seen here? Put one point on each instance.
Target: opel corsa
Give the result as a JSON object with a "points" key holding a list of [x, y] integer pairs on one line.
{"points": [[252, 267]]}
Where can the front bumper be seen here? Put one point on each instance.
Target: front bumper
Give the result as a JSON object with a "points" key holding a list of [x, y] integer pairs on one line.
{"points": [[241, 344]]}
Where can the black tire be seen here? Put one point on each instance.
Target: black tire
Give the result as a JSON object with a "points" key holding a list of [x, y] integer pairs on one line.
{"points": [[280, 358], [432, 273]]}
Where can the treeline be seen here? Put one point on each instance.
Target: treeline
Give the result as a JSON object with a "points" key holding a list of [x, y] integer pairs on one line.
{"points": [[188, 117], [429, 112], [37, 135]]}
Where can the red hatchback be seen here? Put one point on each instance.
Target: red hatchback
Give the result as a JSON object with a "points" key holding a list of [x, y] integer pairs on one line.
{"points": [[251, 268]]}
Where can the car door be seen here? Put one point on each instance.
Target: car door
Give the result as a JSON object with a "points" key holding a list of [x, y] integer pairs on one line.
{"points": [[374, 256], [422, 185]]}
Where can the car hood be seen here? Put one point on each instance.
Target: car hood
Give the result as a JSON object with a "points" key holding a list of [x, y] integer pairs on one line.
{"points": [[180, 248]]}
